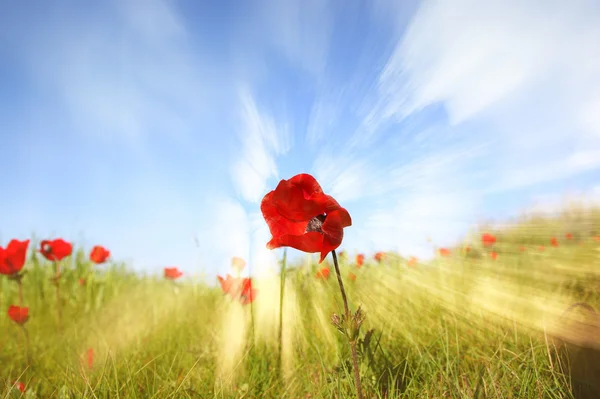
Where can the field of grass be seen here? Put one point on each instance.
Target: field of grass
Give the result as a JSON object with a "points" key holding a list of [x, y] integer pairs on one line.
{"points": [[461, 326]]}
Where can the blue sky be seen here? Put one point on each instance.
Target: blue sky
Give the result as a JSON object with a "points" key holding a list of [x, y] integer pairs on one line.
{"points": [[140, 125]]}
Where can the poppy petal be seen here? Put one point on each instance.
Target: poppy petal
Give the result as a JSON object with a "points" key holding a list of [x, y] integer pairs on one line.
{"points": [[310, 242]]}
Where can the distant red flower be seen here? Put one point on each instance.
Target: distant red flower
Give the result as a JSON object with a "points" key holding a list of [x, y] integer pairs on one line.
{"points": [[554, 242], [597, 238], [82, 282], [323, 273], [20, 386], [352, 276], [467, 249], [90, 357], [379, 256], [541, 248], [522, 248], [301, 216], [412, 261], [488, 239], [56, 250], [247, 294], [18, 314], [99, 254], [360, 260], [227, 283], [12, 258], [172, 273], [238, 263], [494, 255], [444, 252], [238, 288], [569, 236]]}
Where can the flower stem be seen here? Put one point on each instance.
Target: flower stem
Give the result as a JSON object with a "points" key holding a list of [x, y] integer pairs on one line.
{"points": [[281, 291], [57, 285], [27, 348], [351, 340], [20, 284]]}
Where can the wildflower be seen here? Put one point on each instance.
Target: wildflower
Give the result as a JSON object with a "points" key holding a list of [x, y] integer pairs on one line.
{"points": [[90, 357], [56, 250], [360, 260], [412, 261], [301, 216], [488, 239], [444, 252], [467, 249], [379, 256], [323, 273], [554, 242], [12, 258], [352, 276], [238, 288], [494, 255], [247, 294], [18, 314], [522, 248], [541, 248], [82, 282], [19, 385], [569, 236], [172, 273], [238, 263], [99, 254]]}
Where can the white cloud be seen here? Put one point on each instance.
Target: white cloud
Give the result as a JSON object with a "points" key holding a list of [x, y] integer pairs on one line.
{"points": [[261, 142]]}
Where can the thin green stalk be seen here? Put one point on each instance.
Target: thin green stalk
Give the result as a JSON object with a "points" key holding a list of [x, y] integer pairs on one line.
{"points": [[352, 340], [281, 294]]}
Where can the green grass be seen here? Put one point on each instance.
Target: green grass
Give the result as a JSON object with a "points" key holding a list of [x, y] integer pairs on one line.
{"points": [[459, 327]]}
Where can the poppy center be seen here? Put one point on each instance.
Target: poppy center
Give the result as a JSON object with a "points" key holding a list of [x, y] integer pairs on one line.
{"points": [[316, 224], [47, 248]]}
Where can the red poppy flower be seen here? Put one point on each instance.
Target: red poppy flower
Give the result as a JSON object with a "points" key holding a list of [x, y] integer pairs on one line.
{"points": [[18, 314], [226, 283], [488, 239], [20, 386], [82, 282], [569, 236], [360, 260], [172, 273], [301, 216], [597, 238], [412, 261], [541, 248], [238, 288], [522, 248], [12, 258], [352, 276], [56, 250], [90, 357], [238, 263], [494, 255], [444, 252], [379, 256], [99, 254], [323, 273], [247, 294], [554, 242]]}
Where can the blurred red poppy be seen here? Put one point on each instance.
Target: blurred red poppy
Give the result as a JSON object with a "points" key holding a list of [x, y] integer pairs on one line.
{"points": [[12, 258], [323, 273], [554, 242], [541, 248], [467, 249], [172, 273], [99, 254], [82, 282], [238, 263], [488, 239], [597, 238], [238, 288], [569, 236], [247, 294], [412, 261], [494, 255], [360, 260], [522, 248], [20, 386], [352, 276], [18, 314], [379, 256], [90, 357], [301, 216], [444, 252], [56, 250]]}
